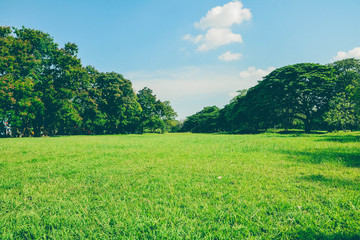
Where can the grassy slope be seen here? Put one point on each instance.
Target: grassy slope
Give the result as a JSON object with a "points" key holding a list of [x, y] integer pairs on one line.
{"points": [[266, 186]]}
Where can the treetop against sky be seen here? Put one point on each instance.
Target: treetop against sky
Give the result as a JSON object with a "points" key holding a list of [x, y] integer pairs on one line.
{"points": [[195, 53]]}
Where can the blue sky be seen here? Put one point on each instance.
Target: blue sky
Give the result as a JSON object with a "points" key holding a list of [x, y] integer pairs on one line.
{"points": [[195, 53]]}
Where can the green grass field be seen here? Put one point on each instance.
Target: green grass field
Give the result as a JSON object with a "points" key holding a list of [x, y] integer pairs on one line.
{"points": [[181, 186]]}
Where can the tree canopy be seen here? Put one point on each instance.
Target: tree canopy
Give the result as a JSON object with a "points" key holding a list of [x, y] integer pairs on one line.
{"points": [[344, 112], [305, 95], [155, 115], [45, 90], [203, 121], [300, 91]]}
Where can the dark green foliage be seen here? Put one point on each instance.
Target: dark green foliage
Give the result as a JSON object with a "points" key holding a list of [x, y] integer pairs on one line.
{"points": [[4, 31], [45, 90], [204, 121], [117, 101], [19, 100], [155, 115], [306, 95], [235, 117], [301, 91], [344, 112]]}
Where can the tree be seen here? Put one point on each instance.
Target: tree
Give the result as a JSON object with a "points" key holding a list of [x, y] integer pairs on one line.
{"points": [[234, 117], [167, 115], [155, 115], [342, 113], [46, 90], [19, 100], [345, 106], [147, 102], [205, 121], [348, 74], [62, 96], [301, 91], [117, 101], [44, 81]]}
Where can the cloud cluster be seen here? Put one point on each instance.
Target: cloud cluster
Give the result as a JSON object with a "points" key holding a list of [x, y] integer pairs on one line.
{"points": [[252, 73], [214, 38], [229, 56], [217, 26], [353, 53], [225, 16]]}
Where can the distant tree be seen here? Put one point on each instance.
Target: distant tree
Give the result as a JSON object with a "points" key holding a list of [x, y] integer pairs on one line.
{"points": [[147, 101], [167, 115], [155, 115], [174, 126], [205, 121]]}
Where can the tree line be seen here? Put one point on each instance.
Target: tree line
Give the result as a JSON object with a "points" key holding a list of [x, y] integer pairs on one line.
{"points": [[45, 90], [307, 95]]}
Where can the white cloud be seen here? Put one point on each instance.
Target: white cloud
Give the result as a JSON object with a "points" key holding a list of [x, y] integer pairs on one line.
{"points": [[253, 73], [353, 53], [225, 16], [196, 39], [229, 56], [216, 26], [214, 38]]}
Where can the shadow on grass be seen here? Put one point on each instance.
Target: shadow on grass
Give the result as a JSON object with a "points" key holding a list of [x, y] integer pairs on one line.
{"points": [[315, 234], [341, 139], [342, 156], [333, 182], [246, 132], [283, 132], [300, 132], [292, 132]]}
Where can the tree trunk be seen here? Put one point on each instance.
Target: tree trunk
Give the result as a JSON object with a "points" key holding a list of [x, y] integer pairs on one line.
{"points": [[307, 123]]}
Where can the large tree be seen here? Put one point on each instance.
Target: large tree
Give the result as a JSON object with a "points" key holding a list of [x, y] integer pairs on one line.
{"points": [[301, 91], [19, 100], [46, 90]]}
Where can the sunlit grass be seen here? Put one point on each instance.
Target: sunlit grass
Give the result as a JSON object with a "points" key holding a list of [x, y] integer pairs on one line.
{"points": [[196, 186]]}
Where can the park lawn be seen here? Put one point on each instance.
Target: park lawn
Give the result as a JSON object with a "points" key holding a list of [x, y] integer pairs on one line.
{"points": [[181, 186]]}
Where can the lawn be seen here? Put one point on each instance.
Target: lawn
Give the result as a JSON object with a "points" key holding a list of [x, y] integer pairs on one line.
{"points": [[181, 186]]}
